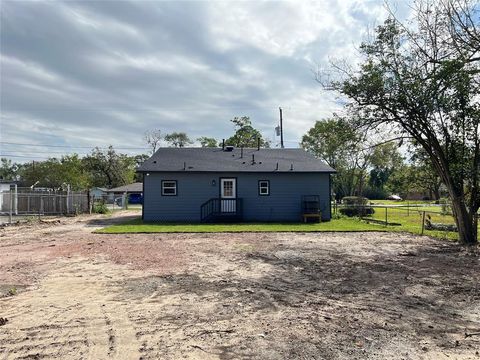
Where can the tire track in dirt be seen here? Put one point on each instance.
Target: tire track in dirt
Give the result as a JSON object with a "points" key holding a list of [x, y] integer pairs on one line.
{"points": [[71, 314]]}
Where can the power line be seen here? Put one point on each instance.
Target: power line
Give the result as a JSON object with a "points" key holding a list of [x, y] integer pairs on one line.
{"points": [[23, 156], [74, 147], [163, 108], [46, 152], [175, 109]]}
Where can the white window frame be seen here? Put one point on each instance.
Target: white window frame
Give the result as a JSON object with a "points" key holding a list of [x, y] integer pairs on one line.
{"points": [[164, 187], [262, 187]]}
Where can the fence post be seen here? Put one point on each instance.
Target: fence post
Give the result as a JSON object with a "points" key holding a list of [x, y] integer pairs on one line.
{"points": [[15, 200], [40, 208], [89, 202], [423, 222], [68, 199], [11, 206]]}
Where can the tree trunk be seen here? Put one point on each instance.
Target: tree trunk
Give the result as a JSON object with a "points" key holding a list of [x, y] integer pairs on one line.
{"points": [[465, 222]]}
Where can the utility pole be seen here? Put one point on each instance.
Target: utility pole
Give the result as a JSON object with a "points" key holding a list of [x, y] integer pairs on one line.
{"points": [[281, 128]]}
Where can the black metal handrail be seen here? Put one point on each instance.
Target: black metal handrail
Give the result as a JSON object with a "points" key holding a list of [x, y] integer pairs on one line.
{"points": [[220, 208]]}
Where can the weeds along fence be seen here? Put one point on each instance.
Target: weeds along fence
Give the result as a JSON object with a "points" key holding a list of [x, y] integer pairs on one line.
{"points": [[43, 203], [422, 219]]}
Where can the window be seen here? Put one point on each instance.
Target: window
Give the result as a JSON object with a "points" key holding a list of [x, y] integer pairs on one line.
{"points": [[264, 187], [169, 187], [228, 188]]}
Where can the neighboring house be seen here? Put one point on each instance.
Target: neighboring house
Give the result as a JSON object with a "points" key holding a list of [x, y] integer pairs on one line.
{"points": [[5, 187], [212, 184], [134, 192], [98, 193]]}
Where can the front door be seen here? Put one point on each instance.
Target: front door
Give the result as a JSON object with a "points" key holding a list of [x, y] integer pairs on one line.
{"points": [[228, 195]]}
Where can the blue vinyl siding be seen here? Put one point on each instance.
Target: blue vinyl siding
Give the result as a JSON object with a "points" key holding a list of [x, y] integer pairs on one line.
{"points": [[193, 189]]}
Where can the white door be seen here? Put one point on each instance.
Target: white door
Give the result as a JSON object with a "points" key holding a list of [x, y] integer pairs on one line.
{"points": [[228, 194]]}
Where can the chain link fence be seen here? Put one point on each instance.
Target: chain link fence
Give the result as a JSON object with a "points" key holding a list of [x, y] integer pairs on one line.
{"points": [[422, 219]]}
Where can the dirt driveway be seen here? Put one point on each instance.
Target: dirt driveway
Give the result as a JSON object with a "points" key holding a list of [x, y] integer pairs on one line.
{"points": [[71, 294]]}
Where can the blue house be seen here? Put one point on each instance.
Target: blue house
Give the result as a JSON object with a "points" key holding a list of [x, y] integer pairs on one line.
{"points": [[235, 184]]}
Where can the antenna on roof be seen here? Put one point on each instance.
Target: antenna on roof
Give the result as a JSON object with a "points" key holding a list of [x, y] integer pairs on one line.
{"points": [[281, 128], [276, 167]]}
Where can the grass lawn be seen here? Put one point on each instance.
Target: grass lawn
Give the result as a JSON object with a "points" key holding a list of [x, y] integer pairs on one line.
{"points": [[410, 221], [401, 202], [343, 224]]}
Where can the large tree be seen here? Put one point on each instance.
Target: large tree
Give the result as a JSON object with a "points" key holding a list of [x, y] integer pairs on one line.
{"points": [[56, 173], [178, 139], [425, 176], [344, 149], [8, 169], [153, 138], [384, 160], [206, 141], [109, 168], [246, 135], [422, 80]]}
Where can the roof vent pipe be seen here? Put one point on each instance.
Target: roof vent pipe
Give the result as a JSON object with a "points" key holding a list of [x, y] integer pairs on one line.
{"points": [[253, 159], [291, 167], [184, 165], [276, 167]]}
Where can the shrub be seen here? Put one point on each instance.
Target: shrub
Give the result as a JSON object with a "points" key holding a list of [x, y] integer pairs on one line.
{"points": [[100, 208], [355, 201], [356, 206], [357, 211], [374, 193]]}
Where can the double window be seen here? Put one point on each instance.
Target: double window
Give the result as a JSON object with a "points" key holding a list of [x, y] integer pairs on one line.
{"points": [[263, 187], [169, 187]]}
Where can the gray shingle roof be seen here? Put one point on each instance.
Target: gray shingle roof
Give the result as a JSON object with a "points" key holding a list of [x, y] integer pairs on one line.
{"points": [[130, 188], [217, 160]]}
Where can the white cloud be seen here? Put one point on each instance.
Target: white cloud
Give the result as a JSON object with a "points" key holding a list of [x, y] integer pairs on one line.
{"points": [[98, 72]]}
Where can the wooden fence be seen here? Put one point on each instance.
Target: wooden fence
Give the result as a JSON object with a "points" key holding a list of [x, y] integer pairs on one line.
{"points": [[42, 203]]}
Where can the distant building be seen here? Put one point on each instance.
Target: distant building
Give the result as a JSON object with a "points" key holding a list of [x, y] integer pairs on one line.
{"points": [[5, 187], [98, 193], [134, 192]]}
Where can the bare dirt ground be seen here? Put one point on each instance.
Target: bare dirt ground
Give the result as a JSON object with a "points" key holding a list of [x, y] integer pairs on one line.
{"points": [[69, 294]]}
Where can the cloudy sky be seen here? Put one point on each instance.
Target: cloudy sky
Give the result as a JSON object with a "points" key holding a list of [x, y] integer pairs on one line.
{"points": [[75, 75]]}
